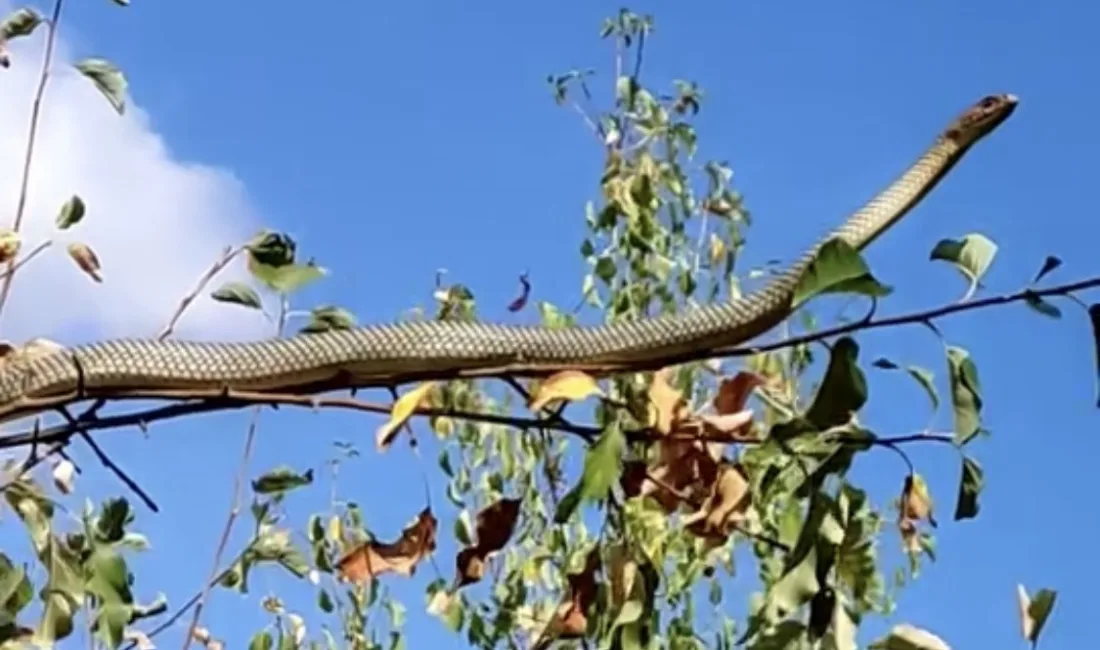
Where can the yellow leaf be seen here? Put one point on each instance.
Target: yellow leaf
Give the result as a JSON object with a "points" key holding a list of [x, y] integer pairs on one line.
{"points": [[9, 245], [668, 404], [570, 385], [403, 409]]}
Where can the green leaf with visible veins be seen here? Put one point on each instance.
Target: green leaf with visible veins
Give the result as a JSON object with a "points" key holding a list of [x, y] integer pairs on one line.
{"points": [[602, 466], [970, 486], [837, 268], [843, 390], [966, 394], [971, 255], [107, 78]]}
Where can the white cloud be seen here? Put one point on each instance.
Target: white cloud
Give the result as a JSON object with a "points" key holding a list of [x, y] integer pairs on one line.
{"points": [[155, 222]]}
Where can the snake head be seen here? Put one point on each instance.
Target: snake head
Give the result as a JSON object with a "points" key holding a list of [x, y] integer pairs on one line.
{"points": [[981, 118]]}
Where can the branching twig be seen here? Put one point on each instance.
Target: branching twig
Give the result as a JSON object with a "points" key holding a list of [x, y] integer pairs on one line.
{"points": [[28, 156], [18, 264], [227, 256], [234, 510]]}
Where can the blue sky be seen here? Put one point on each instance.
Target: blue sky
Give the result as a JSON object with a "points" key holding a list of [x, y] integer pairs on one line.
{"points": [[399, 138]]}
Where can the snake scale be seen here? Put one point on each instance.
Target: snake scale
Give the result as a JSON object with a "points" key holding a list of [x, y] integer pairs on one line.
{"points": [[387, 354]]}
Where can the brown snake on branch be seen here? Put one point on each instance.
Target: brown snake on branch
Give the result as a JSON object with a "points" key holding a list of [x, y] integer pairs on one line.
{"points": [[390, 354]]}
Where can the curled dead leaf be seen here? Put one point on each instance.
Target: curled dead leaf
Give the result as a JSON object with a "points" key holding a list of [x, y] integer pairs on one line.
{"points": [[403, 409], [495, 523], [725, 506], [86, 259], [729, 427], [469, 566], [10, 242], [371, 559], [567, 385], [570, 619], [734, 392], [916, 501], [668, 404]]}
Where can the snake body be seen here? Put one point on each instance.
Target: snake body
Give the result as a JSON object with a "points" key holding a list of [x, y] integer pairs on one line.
{"points": [[405, 351]]}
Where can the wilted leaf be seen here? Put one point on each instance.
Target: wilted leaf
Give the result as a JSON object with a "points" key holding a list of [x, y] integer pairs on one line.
{"points": [[669, 405], [570, 619], [238, 293], [10, 243], [525, 292], [1034, 612], [726, 504], [916, 501], [281, 480], [843, 389], [495, 524], [403, 409], [21, 22], [568, 385], [907, 637], [107, 78], [970, 486], [971, 255], [837, 268], [328, 317], [86, 259], [71, 213], [966, 397], [372, 559], [734, 392], [1049, 264]]}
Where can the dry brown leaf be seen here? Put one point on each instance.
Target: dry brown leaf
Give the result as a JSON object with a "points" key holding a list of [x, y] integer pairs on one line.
{"points": [[910, 536], [469, 566], [10, 242], [734, 392], [726, 504], [86, 259], [669, 405], [729, 427], [916, 502], [403, 409], [495, 523], [568, 385], [372, 559], [569, 620]]}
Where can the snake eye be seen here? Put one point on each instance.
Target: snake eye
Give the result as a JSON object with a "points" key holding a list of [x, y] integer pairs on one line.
{"points": [[989, 102]]}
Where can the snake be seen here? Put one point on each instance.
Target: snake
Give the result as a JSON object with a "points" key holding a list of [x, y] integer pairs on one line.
{"points": [[389, 354]]}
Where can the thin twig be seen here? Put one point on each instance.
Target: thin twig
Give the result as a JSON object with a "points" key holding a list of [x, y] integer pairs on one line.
{"points": [[227, 256], [234, 510], [18, 264], [117, 471], [28, 156]]}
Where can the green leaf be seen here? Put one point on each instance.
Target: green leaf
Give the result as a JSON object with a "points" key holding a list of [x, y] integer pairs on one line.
{"points": [[107, 78], [328, 317], [57, 619], [21, 22], [288, 278], [1049, 264], [271, 249], [281, 480], [922, 376], [971, 255], [261, 641], [843, 390], [71, 213], [907, 637], [605, 269], [1038, 611], [16, 591], [837, 268], [1042, 306], [602, 467], [108, 578], [324, 601], [966, 394], [111, 524], [111, 624], [1094, 319], [970, 486], [238, 293], [797, 586]]}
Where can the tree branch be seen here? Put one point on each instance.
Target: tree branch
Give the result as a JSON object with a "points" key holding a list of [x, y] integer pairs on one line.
{"points": [[228, 254], [28, 156]]}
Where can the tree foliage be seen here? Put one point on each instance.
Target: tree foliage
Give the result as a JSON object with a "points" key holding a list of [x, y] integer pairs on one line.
{"points": [[630, 512]]}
